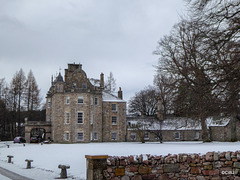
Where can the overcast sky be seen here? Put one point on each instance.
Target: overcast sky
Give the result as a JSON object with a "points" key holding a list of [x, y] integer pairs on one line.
{"points": [[106, 36]]}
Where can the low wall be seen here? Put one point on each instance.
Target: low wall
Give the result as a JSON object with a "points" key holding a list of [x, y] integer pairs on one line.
{"points": [[211, 165]]}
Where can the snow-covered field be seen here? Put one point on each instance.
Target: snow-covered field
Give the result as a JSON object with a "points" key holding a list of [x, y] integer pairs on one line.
{"points": [[47, 157]]}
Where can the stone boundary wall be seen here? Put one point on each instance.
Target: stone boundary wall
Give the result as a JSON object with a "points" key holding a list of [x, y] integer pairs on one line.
{"points": [[212, 165]]}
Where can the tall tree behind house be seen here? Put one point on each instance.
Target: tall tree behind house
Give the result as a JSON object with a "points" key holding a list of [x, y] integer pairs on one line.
{"points": [[110, 84], [144, 103], [202, 53], [17, 90], [32, 99], [224, 40]]}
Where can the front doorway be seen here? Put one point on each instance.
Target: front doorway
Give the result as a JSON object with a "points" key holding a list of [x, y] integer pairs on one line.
{"points": [[40, 133]]}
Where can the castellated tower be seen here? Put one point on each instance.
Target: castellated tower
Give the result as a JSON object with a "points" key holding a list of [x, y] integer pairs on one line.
{"points": [[81, 111]]}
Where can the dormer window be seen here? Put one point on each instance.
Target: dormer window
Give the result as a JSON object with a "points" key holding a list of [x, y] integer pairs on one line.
{"points": [[74, 85], [84, 85]]}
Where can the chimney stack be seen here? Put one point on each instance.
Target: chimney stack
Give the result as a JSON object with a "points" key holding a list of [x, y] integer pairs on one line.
{"points": [[102, 80], [120, 93]]}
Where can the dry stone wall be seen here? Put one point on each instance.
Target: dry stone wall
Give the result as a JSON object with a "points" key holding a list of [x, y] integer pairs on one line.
{"points": [[212, 165]]}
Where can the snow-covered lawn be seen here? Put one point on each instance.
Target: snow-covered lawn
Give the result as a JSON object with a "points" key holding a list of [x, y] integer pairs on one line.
{"points": [[47, 157]]}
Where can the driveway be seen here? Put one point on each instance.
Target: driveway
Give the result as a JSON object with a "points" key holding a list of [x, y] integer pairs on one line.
{"points": [[6, 174]]}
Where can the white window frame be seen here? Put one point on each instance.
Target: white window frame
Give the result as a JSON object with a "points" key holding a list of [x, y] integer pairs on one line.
{"points": [[67, 100], [84, 85], [146, 135], [66, 135], [67, 117], [114, 121], [95, 136], [82, 117], [96, 101], [114, 107], [91, 120], [80, 98], [80, 139], [49, 103], [91, 100], [176, 135], [91, 136], [133, 135], [196, 135], [74, 85], [114, 136]]}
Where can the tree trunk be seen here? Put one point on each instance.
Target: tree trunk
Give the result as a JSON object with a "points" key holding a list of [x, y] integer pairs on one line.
{"points": [[160, 132], [233, 128], [205, 133]]}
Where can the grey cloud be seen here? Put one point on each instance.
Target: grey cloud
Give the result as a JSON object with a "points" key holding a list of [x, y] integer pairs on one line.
{"points": [[104, 36]]}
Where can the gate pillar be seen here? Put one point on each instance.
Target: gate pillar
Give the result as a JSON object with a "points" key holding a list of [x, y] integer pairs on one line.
{"points": [[96, 166]]}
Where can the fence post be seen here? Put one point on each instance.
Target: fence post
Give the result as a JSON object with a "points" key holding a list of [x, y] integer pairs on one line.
{"points": [[63, 170], [28, 163], [10, 158], [96, 166]]}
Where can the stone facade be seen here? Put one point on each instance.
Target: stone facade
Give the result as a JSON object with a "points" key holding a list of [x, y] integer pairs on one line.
{"points": [[33, 125], [179, 129], [78, 109], [82, 112], [168, 135], [212, 165], [109, 124], [172, 129]]}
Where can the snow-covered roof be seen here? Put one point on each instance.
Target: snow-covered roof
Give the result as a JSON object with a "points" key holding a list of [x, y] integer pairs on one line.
{"points": [[95, 82], [179, 123], [168, 124], [108, 97], [211, 121]]}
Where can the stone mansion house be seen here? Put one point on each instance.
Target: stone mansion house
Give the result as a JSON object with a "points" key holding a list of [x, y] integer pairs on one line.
{"points": [[78, 109]]}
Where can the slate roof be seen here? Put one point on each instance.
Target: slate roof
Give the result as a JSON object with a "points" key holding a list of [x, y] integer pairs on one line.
{"points": [[108, 97]]}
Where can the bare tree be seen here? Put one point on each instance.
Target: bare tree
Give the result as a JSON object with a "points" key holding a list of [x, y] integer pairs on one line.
{"points": [[110, 85], [155, 127], [144, 103], [4, 124], [203, 54], [166, 88], [32, 96], [184, 56], [224, 39], [2, 87], [141, 127], [17, 89]]}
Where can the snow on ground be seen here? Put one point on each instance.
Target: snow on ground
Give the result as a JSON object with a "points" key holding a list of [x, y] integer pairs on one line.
{"points": [[47, 157], [4, 178]]}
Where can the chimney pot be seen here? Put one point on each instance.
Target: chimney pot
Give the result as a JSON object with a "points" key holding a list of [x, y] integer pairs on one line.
{"points": [[102, 80], [120, 93]]}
